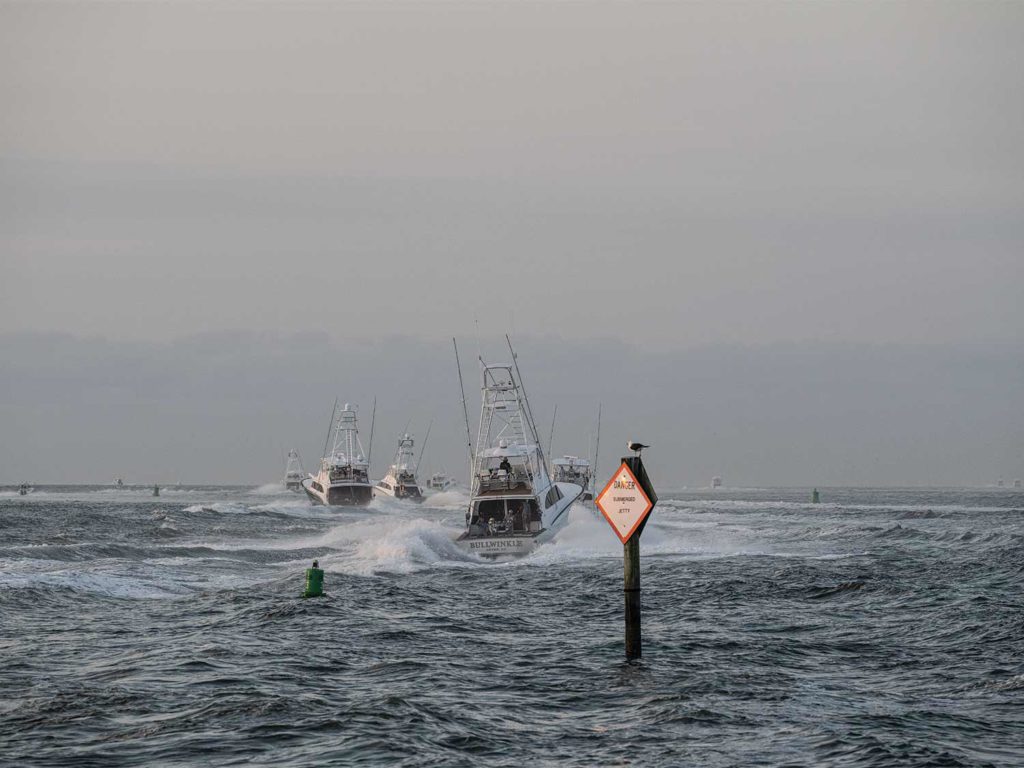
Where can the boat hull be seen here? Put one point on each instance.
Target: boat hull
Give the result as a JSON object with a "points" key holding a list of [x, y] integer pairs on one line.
{"points": [[349, 495]]}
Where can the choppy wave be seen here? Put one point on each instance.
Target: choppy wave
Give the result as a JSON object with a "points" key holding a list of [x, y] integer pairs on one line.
{"points": [[878, 628]]}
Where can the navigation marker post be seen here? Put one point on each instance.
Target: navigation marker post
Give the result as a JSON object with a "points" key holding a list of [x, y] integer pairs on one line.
{"points": [[626, 502]]}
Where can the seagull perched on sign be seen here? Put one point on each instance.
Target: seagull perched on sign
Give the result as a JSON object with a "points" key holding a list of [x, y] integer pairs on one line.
{"points": [[636, 447]]}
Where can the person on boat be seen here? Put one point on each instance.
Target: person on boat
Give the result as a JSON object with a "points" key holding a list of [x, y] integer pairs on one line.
{"points": [[518, 518], [505, 465]]}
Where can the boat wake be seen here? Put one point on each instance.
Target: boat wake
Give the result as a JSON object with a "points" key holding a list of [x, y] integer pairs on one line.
{"points": [[450, 499], [370, 547]]}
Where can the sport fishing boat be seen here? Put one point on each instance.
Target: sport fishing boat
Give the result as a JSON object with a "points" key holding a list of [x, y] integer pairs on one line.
{"points": [[573, 469], [400, 481], [515, 505], [343, 479], [439, 481], [293, 472]]}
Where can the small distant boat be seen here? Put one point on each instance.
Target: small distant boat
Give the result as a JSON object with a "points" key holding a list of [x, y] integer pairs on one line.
{"points": [[440, 481], [573, 469], [293, 472], [118, 483], [515, 505], [400, 481], [343, 479], [25, 489], [716, 482]]}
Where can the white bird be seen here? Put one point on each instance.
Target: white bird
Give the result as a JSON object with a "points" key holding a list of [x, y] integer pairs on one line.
{"points": [[636, 447]]}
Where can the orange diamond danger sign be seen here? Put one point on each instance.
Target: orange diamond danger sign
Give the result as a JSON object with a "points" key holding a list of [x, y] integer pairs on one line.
{"points": [[623, 503]]}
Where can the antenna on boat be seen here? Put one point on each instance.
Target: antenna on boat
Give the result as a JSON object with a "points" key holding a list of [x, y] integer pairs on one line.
{"points": [[526, 400], [479, 347], [551, 436], [597, 448], [329, 428], [373, 418], [423, 448], [465, 412]]}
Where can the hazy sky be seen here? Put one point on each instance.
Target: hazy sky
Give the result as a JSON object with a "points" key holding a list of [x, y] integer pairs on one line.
{"points": [[807, 218], [673, 174], [224, 408]]}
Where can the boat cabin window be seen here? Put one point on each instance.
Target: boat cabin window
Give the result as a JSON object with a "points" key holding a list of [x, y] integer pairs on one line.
{"points": [[553, 495]]}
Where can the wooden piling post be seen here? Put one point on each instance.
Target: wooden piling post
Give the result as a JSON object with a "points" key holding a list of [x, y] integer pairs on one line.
{"points": [[631, 588], [625, 502]]}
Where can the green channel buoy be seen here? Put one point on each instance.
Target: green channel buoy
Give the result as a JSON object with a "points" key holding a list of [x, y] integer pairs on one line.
{"points": [[314, 581], [815, 498]]}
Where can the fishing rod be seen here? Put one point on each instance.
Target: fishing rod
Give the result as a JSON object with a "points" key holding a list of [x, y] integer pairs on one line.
{"points": [[551, 436], [465, 411], [423, 448], [329, 427], [373, 419]]}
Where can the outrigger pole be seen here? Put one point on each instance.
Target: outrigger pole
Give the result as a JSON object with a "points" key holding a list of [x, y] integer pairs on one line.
{"points": [[329, 428], [423, 448], [597, 450], [526, 399], [551, 436], [373, 418], [465, 411]]}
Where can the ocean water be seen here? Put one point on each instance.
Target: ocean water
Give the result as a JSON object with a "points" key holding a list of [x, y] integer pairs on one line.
{"points": [[878, 628]]}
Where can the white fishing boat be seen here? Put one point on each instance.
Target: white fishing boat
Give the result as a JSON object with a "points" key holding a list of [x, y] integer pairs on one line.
{"points": [[515, 505], [573, 469], [118, 483], [440, 481], [400, 481], [344, 476], [25, 489], [293, 472]]}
